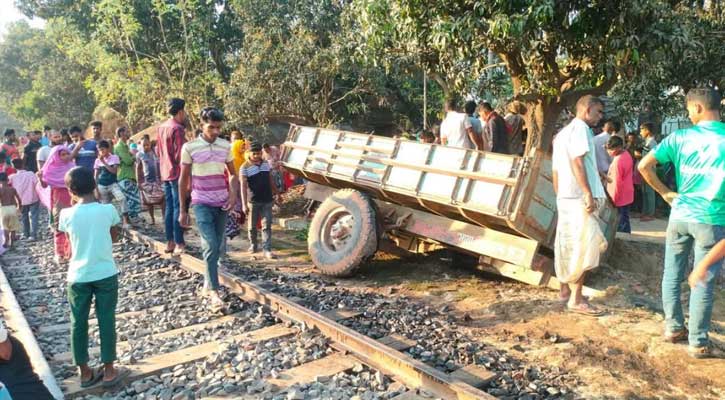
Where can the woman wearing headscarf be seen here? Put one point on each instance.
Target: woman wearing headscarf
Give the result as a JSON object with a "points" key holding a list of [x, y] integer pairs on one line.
{"points": [[53, 174], [238, 149], [235, 218]]}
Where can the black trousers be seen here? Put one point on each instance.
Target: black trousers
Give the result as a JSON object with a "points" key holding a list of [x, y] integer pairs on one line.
{"points": [[19, 378]]}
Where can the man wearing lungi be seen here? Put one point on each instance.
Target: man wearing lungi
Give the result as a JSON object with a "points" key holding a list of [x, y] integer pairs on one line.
{"points": [[579, 196]]}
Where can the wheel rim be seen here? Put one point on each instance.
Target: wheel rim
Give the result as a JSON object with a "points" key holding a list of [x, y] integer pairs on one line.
{"points": [[337, 230]]}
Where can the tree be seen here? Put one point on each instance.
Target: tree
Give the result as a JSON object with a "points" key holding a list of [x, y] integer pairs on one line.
{"points": [[33, 91], [670, 73], [292, 65], [297, 64], [140, 52], [7, 121], [553, 51]]}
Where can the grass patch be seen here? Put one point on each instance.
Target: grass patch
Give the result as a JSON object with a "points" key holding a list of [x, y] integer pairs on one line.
{"points": [[301, 235]]}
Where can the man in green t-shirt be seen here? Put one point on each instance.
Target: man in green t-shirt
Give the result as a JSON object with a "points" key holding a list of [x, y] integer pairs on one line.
{"points": [[127, 173], [697, 219]]}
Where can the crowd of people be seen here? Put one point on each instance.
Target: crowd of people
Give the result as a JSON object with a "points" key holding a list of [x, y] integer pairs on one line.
{"points": [[221, 181], [479, 126]]}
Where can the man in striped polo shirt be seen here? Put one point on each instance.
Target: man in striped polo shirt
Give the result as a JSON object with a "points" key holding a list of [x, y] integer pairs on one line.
{"points": [[203, 162]]}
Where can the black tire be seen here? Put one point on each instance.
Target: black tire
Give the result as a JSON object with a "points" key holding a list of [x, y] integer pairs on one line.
{"points": [[362, 242]]}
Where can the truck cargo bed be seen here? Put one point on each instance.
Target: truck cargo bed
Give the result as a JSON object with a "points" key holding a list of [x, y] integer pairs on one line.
{"points": [[508, 193]]}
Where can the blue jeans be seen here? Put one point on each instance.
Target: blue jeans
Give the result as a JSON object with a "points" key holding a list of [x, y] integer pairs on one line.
{"points": [[211, 222], [682, 237], [623, 225], [30, 217], [263, 211], [174, 233], [648, 200]]}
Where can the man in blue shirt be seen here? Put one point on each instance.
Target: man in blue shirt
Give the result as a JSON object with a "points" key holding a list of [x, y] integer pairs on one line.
{"points": [[82, 150], [45, 138]]}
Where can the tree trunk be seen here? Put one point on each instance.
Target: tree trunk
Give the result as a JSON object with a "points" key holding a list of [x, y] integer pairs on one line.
{"points": [[541, 120], [442, 83]]}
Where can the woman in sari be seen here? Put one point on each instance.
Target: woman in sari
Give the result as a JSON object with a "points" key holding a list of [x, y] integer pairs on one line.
{"points": [[235, 219], [149, 181], [239, 149], [53, 174]]}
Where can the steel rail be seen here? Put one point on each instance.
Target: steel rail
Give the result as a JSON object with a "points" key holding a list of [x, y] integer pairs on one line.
{"points": [[15, 319], [412, 373]]}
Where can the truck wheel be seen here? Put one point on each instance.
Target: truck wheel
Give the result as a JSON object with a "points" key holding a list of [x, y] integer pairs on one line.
{"points": [[343, 233]]}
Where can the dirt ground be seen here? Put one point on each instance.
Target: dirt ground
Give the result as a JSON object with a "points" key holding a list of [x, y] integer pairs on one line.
{"points": [[617, 356]]}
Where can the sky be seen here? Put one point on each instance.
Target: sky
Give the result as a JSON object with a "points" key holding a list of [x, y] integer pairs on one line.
{"points": [[9, 13]]}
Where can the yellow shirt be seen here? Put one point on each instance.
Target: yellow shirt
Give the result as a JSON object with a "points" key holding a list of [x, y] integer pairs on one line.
{"points": [[238, 154]]}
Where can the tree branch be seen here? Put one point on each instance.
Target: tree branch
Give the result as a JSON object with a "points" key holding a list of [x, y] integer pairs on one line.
{"points": [[441, 82], [516, 68], [550, 60], [354, 90], [528, 98], [569, 98]]}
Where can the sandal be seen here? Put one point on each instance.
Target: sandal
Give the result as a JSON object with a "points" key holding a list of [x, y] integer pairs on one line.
{"points": [[121, 374], [96, 375], [677, 336], [585, 309], [700, 352], [179, 251]]}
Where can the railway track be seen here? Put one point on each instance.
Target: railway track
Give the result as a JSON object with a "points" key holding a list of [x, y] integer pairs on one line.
{"points": [[278, 337]]}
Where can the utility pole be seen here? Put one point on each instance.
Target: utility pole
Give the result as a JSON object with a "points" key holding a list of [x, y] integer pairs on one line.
{"points": [[425, 99]]}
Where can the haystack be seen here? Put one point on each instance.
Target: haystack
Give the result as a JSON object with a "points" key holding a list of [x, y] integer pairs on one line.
{"points": [[111, 119]]}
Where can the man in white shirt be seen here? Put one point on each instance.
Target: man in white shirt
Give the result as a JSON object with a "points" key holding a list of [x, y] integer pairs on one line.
{"points": [[611, 127], [456, 128], [55, 139], [579, 192]]}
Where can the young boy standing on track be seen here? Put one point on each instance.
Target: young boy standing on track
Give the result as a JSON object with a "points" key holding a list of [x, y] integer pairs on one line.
{"points": [[10, 205], [258, 191], [92, 273], [106, 167], [24, 181]]}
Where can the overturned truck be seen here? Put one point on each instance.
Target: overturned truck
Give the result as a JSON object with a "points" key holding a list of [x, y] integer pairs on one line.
{"points": [[422, 197]]}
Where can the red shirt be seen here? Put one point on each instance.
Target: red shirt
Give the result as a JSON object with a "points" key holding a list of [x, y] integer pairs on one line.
{"points": [[170, 136], [621, 187], [8, 152]]}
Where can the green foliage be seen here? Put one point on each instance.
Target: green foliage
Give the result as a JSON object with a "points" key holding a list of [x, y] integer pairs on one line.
{"points": [[7, 121], [298, 64], [357, 63], [553, 51], [41, 86], [302, 234], [291, 65], [695, 59]]}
